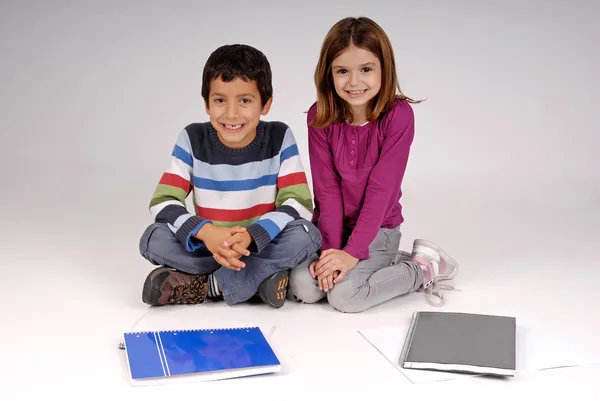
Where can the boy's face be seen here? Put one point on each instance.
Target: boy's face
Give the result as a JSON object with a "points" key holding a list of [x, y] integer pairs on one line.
{"points": [[235, 108]]}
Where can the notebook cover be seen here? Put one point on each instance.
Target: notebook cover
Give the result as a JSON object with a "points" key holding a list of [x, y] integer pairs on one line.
{"points": [[157, 354], [461, 342]]}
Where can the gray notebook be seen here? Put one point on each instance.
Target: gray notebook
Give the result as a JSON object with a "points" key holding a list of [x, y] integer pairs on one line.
{"points": [[461, 342]]}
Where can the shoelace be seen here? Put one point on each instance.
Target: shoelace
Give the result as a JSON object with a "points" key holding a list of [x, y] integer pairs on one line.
{"points": [[188, 290], [433, 290]]}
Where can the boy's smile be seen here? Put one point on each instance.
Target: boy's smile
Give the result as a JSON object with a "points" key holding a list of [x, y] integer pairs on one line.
{"points": [[235, 108]]}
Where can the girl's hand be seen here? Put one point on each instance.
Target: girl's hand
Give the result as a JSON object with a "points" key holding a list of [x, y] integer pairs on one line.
{"points": [[332, 261]]}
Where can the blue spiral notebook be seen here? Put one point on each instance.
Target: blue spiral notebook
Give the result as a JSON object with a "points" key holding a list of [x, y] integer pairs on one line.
{"points": [[206, 354]]}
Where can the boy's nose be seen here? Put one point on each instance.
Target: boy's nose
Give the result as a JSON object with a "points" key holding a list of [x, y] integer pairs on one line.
{"points": [[231, 111]]}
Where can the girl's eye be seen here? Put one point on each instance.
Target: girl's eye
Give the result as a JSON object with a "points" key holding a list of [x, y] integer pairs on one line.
{"points": [[342, 71], [367, 69]]}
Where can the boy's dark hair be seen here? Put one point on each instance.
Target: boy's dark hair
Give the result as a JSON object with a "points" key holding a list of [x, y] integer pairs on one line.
{"points": [[238, 61]]}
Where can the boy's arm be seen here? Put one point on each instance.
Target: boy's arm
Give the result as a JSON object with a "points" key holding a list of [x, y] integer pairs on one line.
{"points": [[326, 186], [293, 201], [168, 201], [384, 182]]}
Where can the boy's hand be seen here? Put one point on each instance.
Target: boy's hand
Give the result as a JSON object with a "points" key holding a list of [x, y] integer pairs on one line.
{"points": [[233, 249], [214, 239]]}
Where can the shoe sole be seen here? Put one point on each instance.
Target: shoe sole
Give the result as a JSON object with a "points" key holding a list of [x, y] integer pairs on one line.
{"points": [[425, 244], [151, 294], [274, 289]]}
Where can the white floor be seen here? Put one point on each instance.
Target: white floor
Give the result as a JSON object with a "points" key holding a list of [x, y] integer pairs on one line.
{"points": [[93, 96], [73, 278]]}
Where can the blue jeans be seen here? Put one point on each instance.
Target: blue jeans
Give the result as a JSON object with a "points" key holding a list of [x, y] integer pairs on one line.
{"points": [[291, 248]]}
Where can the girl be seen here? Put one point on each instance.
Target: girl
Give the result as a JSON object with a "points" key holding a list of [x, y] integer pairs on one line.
{"points": [[360, 131]]}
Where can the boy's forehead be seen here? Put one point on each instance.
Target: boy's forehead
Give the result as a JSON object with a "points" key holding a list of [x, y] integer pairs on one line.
{"points": [[236, 86]]}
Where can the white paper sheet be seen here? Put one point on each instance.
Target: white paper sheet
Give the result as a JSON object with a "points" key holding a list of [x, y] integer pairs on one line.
{"points": [[538, 348]]}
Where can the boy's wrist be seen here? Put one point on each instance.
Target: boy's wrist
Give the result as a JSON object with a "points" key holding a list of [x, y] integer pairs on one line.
{"points": [[204, 232]]}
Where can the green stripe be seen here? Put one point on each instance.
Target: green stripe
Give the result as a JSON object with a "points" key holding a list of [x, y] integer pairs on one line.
{"points": [[164, 193], [299, 192], [243, 223]]}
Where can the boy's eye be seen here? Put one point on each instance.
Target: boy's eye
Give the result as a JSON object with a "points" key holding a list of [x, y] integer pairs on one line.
{"points": [[245, 101], [218, 100]]}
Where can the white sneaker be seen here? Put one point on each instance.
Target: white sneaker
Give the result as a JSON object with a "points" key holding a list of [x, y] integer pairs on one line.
{"points": [[437, 266]]}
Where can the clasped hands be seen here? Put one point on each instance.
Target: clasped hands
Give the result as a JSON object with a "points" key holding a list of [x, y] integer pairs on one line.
{"points": [[227, 244], [331, 267]]}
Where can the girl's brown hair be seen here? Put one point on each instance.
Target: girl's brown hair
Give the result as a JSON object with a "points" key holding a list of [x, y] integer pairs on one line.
{"points": [[364, 33]]}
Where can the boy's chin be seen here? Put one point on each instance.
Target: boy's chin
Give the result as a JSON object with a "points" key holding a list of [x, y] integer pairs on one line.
{"points": [[237, 140]]}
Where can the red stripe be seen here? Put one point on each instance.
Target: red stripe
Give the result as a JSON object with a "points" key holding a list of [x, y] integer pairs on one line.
{"points": [[235, 215], [291, 179], [175, 180]]}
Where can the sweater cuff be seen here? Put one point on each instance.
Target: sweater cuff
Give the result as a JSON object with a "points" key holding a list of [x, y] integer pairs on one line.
{"points": [[186, 233], [260, 237]]}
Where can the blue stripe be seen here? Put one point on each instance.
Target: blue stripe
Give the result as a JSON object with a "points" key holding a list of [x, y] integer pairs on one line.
{"points": [[182, 155], [270, 226], [239, 185], [291, 151], [279, 218]]}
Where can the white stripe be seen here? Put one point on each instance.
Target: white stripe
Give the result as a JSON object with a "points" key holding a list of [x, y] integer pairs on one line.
{"points": [[159, 354], [179, 168], [291, 165], [288, 140], [234, 200], [156, 209], [163, 354], [302, 211]]}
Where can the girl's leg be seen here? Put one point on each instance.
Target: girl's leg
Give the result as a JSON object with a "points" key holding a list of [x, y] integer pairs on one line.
{"points": [[377, 279]]}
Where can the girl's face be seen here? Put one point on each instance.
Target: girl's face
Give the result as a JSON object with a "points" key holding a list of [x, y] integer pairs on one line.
{"points": [[356, 76]]}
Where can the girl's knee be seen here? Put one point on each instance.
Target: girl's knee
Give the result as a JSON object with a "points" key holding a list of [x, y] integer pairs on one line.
{"points": [[343, 298]]}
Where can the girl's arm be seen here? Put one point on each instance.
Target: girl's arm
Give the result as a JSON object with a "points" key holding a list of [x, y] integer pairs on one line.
{"points": [[326, 186], [385, 180]]}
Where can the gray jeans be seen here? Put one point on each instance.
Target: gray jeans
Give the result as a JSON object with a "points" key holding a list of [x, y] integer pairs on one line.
{"points": [[371, 282], [298, 240]]}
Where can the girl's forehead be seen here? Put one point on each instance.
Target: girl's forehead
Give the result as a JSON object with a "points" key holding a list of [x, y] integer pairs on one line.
{"points": [[354, 56]]}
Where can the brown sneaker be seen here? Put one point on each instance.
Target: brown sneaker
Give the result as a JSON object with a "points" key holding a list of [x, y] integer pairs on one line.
{"points": [[165, 286], [273, 290]]}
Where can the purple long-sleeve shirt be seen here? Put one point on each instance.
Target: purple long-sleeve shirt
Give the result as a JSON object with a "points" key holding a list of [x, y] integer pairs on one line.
{"points": [[357, 173]]}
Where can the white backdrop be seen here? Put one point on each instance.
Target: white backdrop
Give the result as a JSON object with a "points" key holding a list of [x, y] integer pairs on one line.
{"points": [[94, 93]]}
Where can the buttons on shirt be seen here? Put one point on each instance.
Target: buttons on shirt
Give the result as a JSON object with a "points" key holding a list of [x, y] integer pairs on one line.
{"points": [[353, 142]]}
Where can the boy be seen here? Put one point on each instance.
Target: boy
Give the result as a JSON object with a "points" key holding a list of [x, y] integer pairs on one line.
{"points": [[253, 204]]}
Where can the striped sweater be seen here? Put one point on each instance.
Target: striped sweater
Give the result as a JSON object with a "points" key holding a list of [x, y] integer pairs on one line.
{"points": [[261, 186]]}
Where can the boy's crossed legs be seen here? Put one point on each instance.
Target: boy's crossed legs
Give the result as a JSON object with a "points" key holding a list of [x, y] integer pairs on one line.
{"points": [[183, 277]]}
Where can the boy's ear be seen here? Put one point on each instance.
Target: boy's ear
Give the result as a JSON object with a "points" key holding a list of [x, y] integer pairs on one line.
{"points": [[267, 107]]}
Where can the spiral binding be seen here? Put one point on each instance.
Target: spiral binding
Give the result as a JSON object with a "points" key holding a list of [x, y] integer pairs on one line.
{"points": [[194, 330], [122, 344]]}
